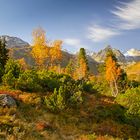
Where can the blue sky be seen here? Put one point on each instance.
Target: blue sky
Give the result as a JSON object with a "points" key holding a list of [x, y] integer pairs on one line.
{"points": [[92, 24]]}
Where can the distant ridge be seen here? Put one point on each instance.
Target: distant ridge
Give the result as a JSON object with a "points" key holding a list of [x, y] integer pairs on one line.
{"points": [[14, 41]]}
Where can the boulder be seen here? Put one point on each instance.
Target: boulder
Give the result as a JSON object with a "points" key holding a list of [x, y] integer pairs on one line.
{"points": [[7, 100]]}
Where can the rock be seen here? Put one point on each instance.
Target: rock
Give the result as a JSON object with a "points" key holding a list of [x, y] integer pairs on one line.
{"points": [[7, 100]]}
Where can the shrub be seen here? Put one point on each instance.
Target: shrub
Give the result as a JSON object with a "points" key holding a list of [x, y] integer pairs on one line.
{"points": [[14, 67], [48, 80], [76, 98], [11, 73], [131, 100], [87, 86], [56, 101], [68, 95], [28, 81], [9, 79]]}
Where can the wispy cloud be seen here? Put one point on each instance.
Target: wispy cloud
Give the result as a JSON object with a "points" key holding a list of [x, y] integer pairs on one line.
{"points": [[98, 33], [73, 42], [128, 15]]}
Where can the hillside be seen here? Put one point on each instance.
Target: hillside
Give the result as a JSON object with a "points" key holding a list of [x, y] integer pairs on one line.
{"points": [[97, 118], [133, 71], [14, 41]]}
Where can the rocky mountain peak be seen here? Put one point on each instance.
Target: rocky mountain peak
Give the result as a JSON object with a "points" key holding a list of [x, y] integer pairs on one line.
{"points": [[101, 55]]}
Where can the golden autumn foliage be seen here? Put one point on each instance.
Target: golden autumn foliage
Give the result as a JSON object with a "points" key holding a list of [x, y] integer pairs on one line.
{"points": [[43, 52], [56, 68], [81, 70], [40, 48], [23, 63], [55, 51], [113, 71], [70, 68]]}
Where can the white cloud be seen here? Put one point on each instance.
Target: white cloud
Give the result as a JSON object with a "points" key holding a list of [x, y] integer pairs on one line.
{"points": [[98, 33], [132, 52], [128, 15], [73, 42]]}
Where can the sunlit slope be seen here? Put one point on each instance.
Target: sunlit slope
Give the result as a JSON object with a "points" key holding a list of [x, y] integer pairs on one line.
{"points": [[133, 71]]}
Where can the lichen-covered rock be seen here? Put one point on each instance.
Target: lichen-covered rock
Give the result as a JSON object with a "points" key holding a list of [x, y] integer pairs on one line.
{"points": [[7, 100]]}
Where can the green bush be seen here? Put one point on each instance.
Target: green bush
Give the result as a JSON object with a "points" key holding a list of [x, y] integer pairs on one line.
{"points": [[9, 79], [131, 102], [28, 81], [91, 87], [14, 67], [11, 73], [68, 95], [48, 80], [56, 101]]}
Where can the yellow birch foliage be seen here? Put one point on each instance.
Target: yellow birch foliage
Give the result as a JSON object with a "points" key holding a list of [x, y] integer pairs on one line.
{"points": [[40, 49], [112, 70], [55, 51]]}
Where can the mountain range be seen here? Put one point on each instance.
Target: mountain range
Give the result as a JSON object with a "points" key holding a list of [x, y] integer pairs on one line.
{"points": [[21, 49]]}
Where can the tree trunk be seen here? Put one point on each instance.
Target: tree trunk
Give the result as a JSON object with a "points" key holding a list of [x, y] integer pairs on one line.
{"points": [[112, 88], [116, 88]]}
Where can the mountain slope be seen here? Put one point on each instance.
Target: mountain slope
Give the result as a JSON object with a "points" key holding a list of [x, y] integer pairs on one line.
{"points": [[14, 42], [133, 71]]}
